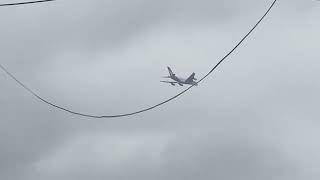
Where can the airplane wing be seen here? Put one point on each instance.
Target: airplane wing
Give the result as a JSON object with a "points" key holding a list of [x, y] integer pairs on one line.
{"points": [[172, 82], [191, 78]]}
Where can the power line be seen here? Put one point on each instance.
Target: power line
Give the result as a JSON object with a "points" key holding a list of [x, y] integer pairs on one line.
{"points": [[23, 3], [151, 107]]}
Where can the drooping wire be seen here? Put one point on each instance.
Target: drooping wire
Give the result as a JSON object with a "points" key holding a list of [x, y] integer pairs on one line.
{"points": [[26, 2], [151, 107]]}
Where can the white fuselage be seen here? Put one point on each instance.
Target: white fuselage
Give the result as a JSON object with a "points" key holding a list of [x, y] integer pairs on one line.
{"points": [[177, 80], [182, 80]]}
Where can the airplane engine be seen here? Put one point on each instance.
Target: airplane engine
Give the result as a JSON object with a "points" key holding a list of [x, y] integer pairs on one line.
{"points": [[172, 84], [195, 79]]}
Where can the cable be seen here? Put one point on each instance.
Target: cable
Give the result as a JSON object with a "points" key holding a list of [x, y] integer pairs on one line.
{"points": [[151, 107], [23, 3]]}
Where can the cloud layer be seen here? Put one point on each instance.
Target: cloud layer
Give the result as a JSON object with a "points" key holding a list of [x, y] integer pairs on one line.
{"points": [[255, 118]]}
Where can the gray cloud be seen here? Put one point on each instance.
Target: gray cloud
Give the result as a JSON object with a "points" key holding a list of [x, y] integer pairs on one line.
{"points": [[255, 118], [165, 156]]}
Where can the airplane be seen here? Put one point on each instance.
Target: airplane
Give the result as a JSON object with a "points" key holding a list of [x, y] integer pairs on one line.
{"points": [[191, 80]]}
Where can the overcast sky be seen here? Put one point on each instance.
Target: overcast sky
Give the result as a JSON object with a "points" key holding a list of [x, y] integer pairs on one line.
{"points": [[256, 117]]}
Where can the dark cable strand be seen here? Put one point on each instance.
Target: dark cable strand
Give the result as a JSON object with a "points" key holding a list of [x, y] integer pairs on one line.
{"points": [[24, 3], [151, 107]]}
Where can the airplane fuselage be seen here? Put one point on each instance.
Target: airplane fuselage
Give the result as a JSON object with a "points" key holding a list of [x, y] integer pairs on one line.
{"points": [[181, 81]]}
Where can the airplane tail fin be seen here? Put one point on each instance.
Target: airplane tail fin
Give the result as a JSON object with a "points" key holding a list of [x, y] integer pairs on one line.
{"points": [[170, 71]]}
